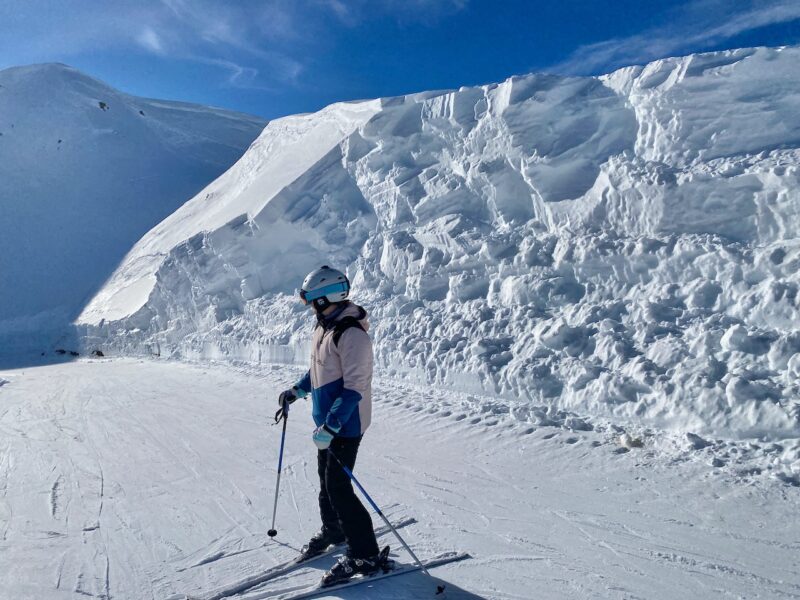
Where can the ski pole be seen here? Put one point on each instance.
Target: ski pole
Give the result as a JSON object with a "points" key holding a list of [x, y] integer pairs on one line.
{"points": [[283, 413], [439, 588]]}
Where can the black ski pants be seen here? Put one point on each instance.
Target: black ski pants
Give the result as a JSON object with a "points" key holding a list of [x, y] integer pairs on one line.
{"points": [[339, 507]]}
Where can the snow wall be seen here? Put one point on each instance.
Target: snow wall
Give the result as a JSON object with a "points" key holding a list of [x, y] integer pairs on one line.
{"points": [[623, 246]]}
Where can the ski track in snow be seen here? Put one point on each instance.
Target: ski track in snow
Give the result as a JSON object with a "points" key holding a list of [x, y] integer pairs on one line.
{"points": [[140, 479]]}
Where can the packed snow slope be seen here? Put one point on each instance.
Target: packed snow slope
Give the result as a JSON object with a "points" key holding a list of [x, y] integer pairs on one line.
{"points": [[624, 246], [153, 480], [85, 171]]}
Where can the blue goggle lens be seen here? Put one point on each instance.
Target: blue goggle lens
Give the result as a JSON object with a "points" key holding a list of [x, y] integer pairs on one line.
{"points": [[324, 291]]}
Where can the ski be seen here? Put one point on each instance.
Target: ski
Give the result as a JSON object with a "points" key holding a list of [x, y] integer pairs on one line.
{"points": [[403, 569], [278, 570]]}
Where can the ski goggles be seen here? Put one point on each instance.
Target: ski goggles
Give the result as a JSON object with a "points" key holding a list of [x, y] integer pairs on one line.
{"points": [[333, 288]]}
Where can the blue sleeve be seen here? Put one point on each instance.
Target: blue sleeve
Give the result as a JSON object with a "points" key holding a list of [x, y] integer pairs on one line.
{"points": [[304, 383], [342, 409]]}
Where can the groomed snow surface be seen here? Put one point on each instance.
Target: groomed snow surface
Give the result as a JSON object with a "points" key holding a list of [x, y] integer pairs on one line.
{"points": [[154, 479]]}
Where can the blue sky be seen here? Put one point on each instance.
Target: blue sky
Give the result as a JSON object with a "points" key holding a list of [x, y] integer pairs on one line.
{"points": [[278, 57]]}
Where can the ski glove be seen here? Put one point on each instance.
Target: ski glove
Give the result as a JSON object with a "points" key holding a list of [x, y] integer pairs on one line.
{"points": [[285, 399], [323, 436], [289, 396]]}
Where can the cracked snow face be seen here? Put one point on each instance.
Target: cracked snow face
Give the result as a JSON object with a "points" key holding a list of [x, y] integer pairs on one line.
{"points": [[610, 246]]}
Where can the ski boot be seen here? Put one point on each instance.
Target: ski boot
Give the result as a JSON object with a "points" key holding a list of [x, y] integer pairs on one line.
{"points": [[319, 544], [347, 568]]}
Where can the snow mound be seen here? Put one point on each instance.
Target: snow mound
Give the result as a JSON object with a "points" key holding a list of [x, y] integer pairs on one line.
{"points": [[623, 246], [87, 170]]}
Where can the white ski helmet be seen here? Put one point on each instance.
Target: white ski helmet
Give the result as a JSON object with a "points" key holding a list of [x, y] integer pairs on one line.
{"points": [[324, 286]]}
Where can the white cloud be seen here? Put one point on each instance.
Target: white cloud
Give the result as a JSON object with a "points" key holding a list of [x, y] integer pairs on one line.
{"points": [[149, 40], [699, 24], [339, 8]]}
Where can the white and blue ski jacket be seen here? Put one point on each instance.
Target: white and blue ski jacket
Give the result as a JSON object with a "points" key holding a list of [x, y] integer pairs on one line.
{"points": [[340, 376]]}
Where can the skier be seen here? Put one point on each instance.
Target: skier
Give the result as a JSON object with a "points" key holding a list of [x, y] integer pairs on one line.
{"points": [[340, 382]]}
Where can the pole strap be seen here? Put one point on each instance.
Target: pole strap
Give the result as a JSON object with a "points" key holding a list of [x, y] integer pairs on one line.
{"points": [[282, 414]]}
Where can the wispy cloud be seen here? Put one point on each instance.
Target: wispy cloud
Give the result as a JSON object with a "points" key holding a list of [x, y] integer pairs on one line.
{"points": [[429, 12], [149, 40], [35, 31], [248, 42], [697, 25], [261, 44], [238, 75], [240, 39]]}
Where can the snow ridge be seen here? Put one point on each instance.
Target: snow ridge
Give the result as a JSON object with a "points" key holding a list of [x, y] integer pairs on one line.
{"points": [[86, 170], [623, 246]]}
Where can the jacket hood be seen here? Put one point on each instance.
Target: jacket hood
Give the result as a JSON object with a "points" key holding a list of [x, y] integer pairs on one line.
{"points": [[354, 310]]}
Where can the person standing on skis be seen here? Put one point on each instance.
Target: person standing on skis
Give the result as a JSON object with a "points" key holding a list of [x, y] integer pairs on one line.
{"points": [[339, 381]]}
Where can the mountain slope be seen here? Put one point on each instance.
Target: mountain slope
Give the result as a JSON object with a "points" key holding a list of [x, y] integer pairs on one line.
{"points": [[623, 246], [86, 170]]}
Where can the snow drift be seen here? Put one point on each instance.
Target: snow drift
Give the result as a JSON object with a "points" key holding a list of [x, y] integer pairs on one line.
{"points": [[85, 171], [623, 246]]}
